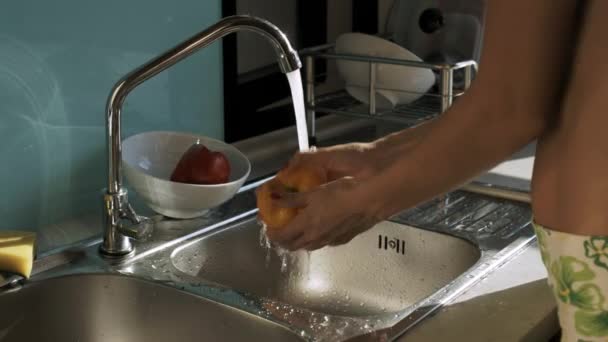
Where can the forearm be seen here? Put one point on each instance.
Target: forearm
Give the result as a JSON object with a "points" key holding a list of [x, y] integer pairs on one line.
{"points": [[392, 146], [509, 104], [452, 150]]}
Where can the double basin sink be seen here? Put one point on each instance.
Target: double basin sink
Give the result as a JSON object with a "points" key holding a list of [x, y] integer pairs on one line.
{"points": [[222, 284]]}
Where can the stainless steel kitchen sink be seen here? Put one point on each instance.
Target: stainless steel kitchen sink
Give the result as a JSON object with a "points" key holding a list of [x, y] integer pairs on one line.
{"points": [[378, 286], [119, 308], [385, 270], [209, 278]]}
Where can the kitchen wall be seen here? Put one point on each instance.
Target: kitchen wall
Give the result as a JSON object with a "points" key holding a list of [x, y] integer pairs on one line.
{"points": [[58, 62]]}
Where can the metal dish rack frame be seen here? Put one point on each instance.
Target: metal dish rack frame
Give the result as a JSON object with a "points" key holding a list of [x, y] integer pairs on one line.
{"points": [[426, 107]]}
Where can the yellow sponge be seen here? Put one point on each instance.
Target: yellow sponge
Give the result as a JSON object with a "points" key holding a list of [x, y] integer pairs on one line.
{"points": [[17, 252]]}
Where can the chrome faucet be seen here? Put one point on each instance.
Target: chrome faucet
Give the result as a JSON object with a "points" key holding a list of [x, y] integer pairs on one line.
{"points": [[117, 209]]}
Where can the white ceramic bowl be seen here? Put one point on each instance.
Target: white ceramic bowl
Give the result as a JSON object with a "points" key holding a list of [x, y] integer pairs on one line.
{"points": [[396, 84], [149, 158]]}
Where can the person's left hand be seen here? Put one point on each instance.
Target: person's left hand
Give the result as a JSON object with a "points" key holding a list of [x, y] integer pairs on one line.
{"points": [[331, 214]]}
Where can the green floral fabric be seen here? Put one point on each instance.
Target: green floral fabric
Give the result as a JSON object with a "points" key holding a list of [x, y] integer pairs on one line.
{"points": [[568, 274], [579, 278], [592, 323], [596, 248]]}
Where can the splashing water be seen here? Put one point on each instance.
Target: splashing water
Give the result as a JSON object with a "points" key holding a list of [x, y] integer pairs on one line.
{"points": [[284, 255], [297, 96], [265, 244], [306, 269], [322, 327]]}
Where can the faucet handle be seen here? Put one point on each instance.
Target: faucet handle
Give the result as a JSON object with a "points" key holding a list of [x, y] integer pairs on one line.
{"points": [[138, 227], [121, 223]]}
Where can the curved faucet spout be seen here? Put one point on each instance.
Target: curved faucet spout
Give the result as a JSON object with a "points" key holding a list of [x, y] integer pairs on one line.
{"points": [[287, 56], [115, 199]]}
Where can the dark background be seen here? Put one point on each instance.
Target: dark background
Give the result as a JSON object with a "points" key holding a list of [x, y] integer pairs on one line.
{"points": [[245, 94]]}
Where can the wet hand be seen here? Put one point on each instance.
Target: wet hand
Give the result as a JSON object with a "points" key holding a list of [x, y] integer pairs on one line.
{"points": [[331, 214]]}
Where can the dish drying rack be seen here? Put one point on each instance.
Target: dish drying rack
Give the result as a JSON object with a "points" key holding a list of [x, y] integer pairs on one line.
{"points": [[430, 104]]}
